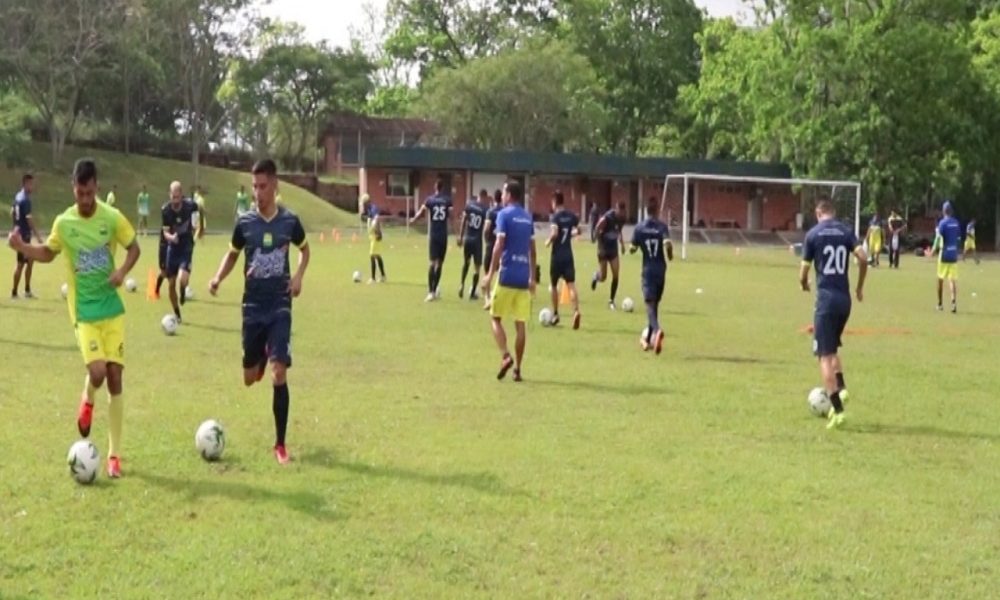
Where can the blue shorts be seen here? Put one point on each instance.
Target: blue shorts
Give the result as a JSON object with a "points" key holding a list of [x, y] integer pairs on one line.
{"points": [[652, 288], [828, 328], [178, 259], [562, 268], [268, 339], [438, 248]]}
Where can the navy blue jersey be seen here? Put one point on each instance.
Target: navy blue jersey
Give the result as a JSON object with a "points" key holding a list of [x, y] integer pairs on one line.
{"points": [[565, 222], [181, 221], [491, 217], [475, 218], [265, 246], [612, 228], [829, 246], [438, 211], [22, 210], [649, 237]]}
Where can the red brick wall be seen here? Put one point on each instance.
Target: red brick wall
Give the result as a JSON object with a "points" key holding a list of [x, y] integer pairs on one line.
{"points": [[543, 187], [720, 201], [780, 207]]}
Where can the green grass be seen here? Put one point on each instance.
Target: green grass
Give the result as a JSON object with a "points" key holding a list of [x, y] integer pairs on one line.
{"points": [[53, 192], [608, 473], [342, 179]]}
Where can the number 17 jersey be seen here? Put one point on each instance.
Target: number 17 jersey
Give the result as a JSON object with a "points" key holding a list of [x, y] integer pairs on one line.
{"points": [[828, 246]]}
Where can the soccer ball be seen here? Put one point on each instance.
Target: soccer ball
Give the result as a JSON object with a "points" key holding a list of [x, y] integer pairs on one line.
{"points": [[130, 284], [84, 460], [189, 293], [169, 324], [356, 277], [64, 290], [819, 402], [628, 305], [545, 317], [210, 440]]}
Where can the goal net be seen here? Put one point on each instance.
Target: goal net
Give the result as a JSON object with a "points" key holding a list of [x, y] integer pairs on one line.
{"points": [[721, 209]]}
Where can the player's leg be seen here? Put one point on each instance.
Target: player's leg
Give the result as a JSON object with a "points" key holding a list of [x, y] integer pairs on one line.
{"points": [[940, 292], [466, 259], [255, 352], [381, 267], [953, 286], [829, 327], [372, 263], [279, 335], [116, 409], [91, 342], [521, 312], [615, 266], [519, 345], [554, 275], [162, 261], [502, 306], [602, 272], [838, 374], [18, 269], [477, 261], [28, 268]]}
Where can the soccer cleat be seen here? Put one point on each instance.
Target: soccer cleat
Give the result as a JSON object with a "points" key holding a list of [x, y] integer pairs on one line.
{"points": [[505, 365], [576, 320], [381, 279], [940, 308], [13, 296], [954, 308], [430, 297], [461, 292], [114, 467], [658, 343], [437, 294], [29, 295], [371, 281], [555, 320], [84, 416], [281, 454], [517, 376], [844, 397], [611, 305], [836, 419], [593, 284], [473, 296]]}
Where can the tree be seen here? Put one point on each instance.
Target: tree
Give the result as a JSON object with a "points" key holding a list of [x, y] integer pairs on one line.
{"points": [[543, 97]]}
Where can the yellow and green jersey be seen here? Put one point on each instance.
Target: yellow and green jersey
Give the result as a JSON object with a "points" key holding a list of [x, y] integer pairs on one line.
{"points": [[89, 245], [242, 202]]}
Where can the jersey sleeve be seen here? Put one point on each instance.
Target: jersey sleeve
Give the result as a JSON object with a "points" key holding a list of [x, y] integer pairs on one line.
{"points": [[299, 233], [501, 225], [165, 215], [25, 208], [238, 241], [54, 241], [808, 251], [124, 232]]}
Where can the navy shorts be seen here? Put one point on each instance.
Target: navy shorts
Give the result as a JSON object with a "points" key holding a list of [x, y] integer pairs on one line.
{"points": [[268, 339], [178, 259], [828, 328], [473, 250], [438, 248], [564, 269], [488, 254], [163, 256], [607, 251], [652, 288]]}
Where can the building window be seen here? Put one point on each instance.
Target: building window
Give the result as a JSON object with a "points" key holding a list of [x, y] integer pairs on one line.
{"points": [[397, 185]]}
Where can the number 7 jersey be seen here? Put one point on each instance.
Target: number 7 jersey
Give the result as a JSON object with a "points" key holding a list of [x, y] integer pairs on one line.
{"points": [[828, 246]]}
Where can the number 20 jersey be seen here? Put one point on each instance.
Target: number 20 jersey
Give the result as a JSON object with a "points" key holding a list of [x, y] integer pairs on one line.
{"points": [[828, 247]]}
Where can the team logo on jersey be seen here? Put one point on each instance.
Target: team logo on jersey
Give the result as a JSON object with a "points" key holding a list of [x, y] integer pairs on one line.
{"points": [[268, 240], [93, 345], [104, 229]]}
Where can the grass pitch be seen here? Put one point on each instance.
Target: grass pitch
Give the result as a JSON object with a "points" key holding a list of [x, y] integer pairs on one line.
{"points": [[608, 473]]}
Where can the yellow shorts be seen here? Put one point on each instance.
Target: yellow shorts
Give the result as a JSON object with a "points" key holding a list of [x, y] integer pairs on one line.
{"points": [[948, 271], [970, 245], [511, 303], [875, 246], [102, 340], [375, 248]]}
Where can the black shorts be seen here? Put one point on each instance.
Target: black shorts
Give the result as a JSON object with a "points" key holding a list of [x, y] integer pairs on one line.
{"points": [[828, 328], [607, 251], [268, 339], [652, 288], [564, 269], [178, 259], [473, 250], [488, 254], [163, 256], [438, 248]]}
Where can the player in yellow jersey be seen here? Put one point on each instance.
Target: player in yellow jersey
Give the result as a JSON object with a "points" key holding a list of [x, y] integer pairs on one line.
{"points": [[87, 234], [375, 243], [874, 240]]}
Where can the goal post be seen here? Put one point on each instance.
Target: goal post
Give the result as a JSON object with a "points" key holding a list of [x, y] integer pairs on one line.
{"points": [[687, 178]]}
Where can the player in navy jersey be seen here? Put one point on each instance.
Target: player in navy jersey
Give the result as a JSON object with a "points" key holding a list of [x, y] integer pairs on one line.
{"points": [[24, 223], [490, 238], [565, 225], [828, 246], [180, 217], [949, 235], [470, 239], [652, 238], [265, 236], [513, 267], [438, 209], [609, 240]]}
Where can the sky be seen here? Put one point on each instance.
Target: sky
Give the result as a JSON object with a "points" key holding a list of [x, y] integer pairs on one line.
{"points": [[332, 19]]}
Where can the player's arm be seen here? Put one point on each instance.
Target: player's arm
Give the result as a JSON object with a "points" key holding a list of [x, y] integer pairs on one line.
{"points": [[41, 254], [461, 229], [621, 240], [167, 235], [807, 259], [669, 247], [236, 245], [487, 228], [553, 235], [420, 213], [532, 254], [494, 264], [299, 239]]}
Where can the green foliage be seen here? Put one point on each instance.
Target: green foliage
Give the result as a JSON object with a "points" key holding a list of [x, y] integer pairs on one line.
{"points": [[14, 114]]}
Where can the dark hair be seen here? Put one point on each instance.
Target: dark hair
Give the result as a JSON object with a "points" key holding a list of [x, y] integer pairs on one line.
{"points": [[558, 197], [483, 193], [825, 206], [84, 171], [514, 189], [652, 206], [439, 185], [498, 196], [621, 206], [26, 178], [264, 167]]}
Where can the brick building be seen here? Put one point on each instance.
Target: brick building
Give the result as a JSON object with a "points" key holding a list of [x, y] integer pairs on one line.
{"points": [[348, 136]]}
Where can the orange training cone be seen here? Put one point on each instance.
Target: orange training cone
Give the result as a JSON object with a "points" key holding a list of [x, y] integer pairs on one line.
{"points": [[564, 299], [151, 284]]}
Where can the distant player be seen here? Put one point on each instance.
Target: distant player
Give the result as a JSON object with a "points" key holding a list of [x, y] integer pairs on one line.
{"points": [[875, 240], [565, 225], [949, 232], [375, 242], [593, 218], [512, 272], [490, 238], [652, 238], [438, 209], [470, 239], [264, 237], [897, 227], [828, 246], [142, 209], [88, 234], [24, 224], [242, 202], [180, 217], [112, 198], [609, 241], [970, 242]]}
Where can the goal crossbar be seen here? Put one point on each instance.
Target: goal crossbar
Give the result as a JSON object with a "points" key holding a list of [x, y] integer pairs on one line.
{"points": [[687, 177]]}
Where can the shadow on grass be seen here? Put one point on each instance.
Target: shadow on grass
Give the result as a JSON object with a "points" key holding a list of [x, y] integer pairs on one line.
{"points": [[38, 345], [591, 386], [732, 360], [305, 502], [215, 328], [919, 431], [30, 306], [484, 482]]}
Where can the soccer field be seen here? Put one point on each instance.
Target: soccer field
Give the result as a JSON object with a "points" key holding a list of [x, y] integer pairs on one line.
{"points": [[607, 473]]}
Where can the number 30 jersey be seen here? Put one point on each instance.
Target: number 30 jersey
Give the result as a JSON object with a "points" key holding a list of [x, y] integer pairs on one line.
{"points": [[828, 246]]}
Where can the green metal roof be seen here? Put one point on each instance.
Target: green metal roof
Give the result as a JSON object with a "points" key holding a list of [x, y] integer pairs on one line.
{"points": [[561, 164]]}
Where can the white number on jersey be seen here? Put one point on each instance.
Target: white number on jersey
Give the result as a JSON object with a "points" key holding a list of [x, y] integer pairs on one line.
{"points": [[836, 260], [475, 221], [565, 234], [652, 248], [439, 213]]}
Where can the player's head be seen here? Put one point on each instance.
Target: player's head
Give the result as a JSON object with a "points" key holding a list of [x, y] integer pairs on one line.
{"points": [[620, 208], [28, 182], [484, 196], [243, 188], [176, 192], [265, 182], [85, 185], [439, 185], [558, 200], [947, 209], [825, 209], [652, 207], [497, 197], [512, 193], [144, 187]]}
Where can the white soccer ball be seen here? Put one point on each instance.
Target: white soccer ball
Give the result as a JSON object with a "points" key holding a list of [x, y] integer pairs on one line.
{"points": [[628, 305], [545, 317], [169, 324], [84, 460], [130, 284], [819, 402], [210, 440], [189, 293], [64, 290], [356, 277]]}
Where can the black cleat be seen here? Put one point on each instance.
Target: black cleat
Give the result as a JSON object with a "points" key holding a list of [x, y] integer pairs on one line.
{"points": [[505, 366]]}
